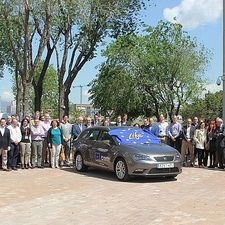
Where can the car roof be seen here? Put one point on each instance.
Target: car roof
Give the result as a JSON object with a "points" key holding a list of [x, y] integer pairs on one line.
{"points": [[108, 127]]}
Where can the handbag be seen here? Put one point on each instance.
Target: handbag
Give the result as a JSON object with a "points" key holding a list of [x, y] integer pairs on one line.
{"points": [[62, 154], [207, 146]]}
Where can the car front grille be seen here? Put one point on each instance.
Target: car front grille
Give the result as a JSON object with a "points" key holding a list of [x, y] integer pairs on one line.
{"points": [[163, 170], [164, 158]]}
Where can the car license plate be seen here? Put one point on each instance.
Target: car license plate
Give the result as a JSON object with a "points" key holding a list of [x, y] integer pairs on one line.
{"points": [[165, 165]]}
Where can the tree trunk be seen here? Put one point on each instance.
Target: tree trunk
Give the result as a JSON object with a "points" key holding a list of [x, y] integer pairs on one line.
{"points": [[178, 109], [61, 107], [19, 96], [38, 91], [26, 98], [66, 102]]}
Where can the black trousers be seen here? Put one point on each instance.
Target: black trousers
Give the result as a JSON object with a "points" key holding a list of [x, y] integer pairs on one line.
{"points": [[13, 155], [212, 158], [220, 157], [202, 156], [176, 144]]}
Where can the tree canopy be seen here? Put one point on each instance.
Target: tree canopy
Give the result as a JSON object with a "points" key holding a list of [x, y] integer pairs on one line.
{"points": [[153, 73]]}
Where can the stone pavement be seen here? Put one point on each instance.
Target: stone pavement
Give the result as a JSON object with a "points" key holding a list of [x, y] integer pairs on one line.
{"points": [[55, 197]]}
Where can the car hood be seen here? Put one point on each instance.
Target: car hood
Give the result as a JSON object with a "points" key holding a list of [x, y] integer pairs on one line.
{"points": [[154, 149]]}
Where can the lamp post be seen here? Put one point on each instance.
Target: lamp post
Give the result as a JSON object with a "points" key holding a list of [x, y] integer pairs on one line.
{"points": [[223, 77], [218, 82], [81, 92]]}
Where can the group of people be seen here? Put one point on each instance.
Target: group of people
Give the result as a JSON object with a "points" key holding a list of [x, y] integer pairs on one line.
{"points": [[31, 143], [194, 139], [40, 141]]}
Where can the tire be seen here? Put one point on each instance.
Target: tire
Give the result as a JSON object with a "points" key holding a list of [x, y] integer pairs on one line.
{"points": [[79, 163], [121, 170]]}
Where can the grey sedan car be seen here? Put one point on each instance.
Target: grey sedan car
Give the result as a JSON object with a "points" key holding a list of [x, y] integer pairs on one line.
{"points": [[128, 151]]}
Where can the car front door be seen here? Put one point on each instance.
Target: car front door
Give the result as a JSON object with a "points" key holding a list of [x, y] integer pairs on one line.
{"points": [[103, 150], [90, 140]]}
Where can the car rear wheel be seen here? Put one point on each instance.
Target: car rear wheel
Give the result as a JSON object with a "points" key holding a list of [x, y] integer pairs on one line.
{"points": [[79, 163], [121, 170]]}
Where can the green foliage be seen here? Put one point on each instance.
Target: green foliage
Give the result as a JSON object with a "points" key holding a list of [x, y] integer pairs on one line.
{"points": [[207, 108], [74, 113], [158, 71], [50, 92]]}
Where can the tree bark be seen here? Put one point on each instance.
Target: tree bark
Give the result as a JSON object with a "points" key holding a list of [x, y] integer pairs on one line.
{"points": [[26, 98], [61, 107], [19, 90], [38, 91], [66, 102]]}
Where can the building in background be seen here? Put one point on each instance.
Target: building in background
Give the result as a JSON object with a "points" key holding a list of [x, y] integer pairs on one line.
{"points": [[11, 109], [87, 109]]}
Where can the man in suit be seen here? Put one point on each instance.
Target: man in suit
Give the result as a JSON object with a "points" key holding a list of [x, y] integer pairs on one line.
{"points": [[4, 143], [119, 121], [96, 121], [187, 141], [174, 131], [219, 133], [77, 128]]}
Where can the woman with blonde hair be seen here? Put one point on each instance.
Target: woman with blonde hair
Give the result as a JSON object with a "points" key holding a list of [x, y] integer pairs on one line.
{"points": [[200, 138]]}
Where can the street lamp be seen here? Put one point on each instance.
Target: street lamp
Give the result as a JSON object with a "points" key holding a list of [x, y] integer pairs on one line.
{"points": [[220, 79], [81, 92], [223, 76]]}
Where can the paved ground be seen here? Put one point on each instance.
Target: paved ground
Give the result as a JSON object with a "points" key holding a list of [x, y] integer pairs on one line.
{"points": [[48, 196]]}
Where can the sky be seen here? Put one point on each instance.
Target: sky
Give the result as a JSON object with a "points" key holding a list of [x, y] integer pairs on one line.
{"points": [[200, 18]]}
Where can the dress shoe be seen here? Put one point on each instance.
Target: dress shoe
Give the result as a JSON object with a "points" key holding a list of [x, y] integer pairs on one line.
{"points": [[14, 168], [7, 170], [41, 167], [22, 167]]}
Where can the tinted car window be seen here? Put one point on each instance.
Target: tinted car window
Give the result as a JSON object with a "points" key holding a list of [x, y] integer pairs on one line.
{"points": [[92, 135], [84, 134], [104, 136]]}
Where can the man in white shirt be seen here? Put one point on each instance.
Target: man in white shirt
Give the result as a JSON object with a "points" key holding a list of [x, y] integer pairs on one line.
{"points": [[66, 129], [15, 136], [46, 124], [160, 129]]}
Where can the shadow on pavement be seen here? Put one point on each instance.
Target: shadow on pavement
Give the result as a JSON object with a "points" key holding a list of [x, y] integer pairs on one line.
{"points": [[110, 176]]}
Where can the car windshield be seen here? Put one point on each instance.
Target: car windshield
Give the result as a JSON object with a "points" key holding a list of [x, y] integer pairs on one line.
{"points": [[130, 135]]}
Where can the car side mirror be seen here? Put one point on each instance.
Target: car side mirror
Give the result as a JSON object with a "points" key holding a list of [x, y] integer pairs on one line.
{"points": [[107, 142]]}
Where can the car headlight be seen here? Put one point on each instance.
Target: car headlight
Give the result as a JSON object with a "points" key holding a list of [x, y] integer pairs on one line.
{"points": [[138, 157], [178, 156]]}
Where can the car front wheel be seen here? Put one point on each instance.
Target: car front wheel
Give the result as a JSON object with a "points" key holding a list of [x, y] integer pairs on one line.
{"points": [[79, 163], [121, 170]]}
